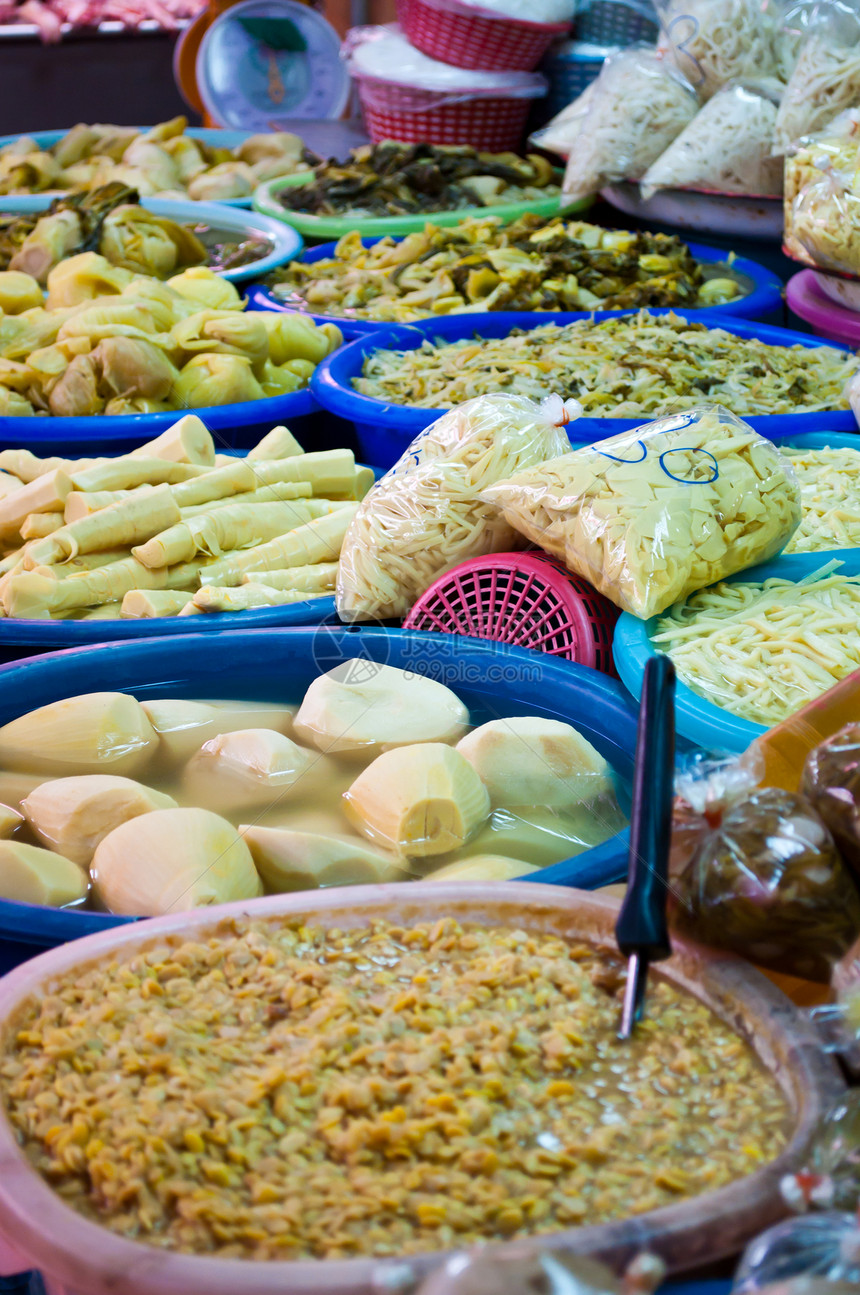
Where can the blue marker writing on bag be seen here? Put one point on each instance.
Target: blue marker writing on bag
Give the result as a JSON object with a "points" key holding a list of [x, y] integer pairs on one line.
{"points": [[691, 481], [615, 459]]}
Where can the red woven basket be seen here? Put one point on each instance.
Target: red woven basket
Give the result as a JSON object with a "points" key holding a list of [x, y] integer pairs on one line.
{"points": [[492, 125], [455, 33], [526, 599]]}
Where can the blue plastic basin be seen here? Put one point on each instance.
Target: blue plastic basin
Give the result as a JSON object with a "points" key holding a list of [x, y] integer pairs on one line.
{"points": [[278, 665], [697, 719], [385, 430], [764, 299]]}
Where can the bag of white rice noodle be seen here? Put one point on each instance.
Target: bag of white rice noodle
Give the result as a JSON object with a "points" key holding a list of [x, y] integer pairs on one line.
{"points": [[726, 147], [826, 78], [425, 515], [560, 134], [713, 42], [655, 513], [639, 104]]}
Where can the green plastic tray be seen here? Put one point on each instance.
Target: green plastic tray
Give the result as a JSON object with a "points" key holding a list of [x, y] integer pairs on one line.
{"points": [[323, 228]]}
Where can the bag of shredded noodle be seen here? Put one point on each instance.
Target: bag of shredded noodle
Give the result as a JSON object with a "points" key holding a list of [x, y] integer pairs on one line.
{"points": [[712, 42], [822, 205], [826, 78], [655, 513], [425, 515], [638, 105], [726, 147]]}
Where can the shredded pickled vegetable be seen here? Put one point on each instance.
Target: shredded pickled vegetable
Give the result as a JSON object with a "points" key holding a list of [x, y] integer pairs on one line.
{"points": [[621, 367], [761, 651], [830, 498]]}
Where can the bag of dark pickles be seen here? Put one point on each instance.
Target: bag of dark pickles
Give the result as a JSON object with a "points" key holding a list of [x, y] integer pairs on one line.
{"points": [[755, 871]]}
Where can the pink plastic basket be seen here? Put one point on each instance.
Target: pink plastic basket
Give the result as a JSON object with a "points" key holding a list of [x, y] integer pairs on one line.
{"points": [[492, 125], [476, 39], [527, 599]]}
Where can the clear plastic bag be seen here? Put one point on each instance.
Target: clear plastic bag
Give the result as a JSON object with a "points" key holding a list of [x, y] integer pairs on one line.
{"points": [[826, 77], [831, 782], [713, 42], [656, 513], [822, 196], [639, 104], [768, 884], [560, 134], [822, 1246], [425, 516], [726, 147]]}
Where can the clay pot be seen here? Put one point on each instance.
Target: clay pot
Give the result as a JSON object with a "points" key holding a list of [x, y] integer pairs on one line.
{"points": [[80, 1258]]}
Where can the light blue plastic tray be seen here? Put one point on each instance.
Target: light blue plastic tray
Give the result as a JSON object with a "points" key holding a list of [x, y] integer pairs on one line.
{"points": [[697, 719]]}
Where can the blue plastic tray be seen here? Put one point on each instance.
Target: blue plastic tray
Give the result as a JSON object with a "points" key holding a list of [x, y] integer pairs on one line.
{"points": [[384, 431], [700, 721], [821, 441], [217, 138], [764, 299], [278, 665]]}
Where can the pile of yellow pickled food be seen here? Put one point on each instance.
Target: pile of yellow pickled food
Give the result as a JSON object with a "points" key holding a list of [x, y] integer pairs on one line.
{"points": [[143, 808], [482, 264], [172, 528], [273, 1089], [107, 340], [616, 368], [162, 162]]}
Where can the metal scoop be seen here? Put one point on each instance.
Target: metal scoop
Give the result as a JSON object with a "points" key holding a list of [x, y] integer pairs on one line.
{"points": [[641, 930]]}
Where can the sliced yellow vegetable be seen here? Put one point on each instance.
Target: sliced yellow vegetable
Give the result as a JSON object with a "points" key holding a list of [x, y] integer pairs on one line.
{"points": [[30, 875], [318, 541]]}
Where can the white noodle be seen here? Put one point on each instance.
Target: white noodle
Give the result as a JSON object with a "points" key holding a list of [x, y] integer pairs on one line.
{"points": [[825, 81], [761, 651], [726, 147], [713, 42]]}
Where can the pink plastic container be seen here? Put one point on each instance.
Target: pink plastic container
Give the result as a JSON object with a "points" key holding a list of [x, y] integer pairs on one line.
{"points": [[476, 38], [79, 1257], [825, 317], [423, 117], [410, 97], [528, 599]]}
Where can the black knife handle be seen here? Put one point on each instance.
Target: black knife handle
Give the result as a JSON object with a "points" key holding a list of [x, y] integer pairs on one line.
{"points": [[641, 926]]}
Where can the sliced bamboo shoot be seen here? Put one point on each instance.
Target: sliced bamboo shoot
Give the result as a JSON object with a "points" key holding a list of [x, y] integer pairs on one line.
{"points": [[81, 503], [275, 494], [330, 472], [364, 708], [72, 815], [29, 875], [141, 604], [46, 494], [319, 541], [96, 732], [319, 578], [183, 726], [249, 768], [10, 821], [279, 443], [37, 525], [9, 484], [125, 473], [131, 521], [227, 529], [187, 441], [173, 860], [482, 867], [233, 479], [243, 598], [418, 801], [288, 860]]}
